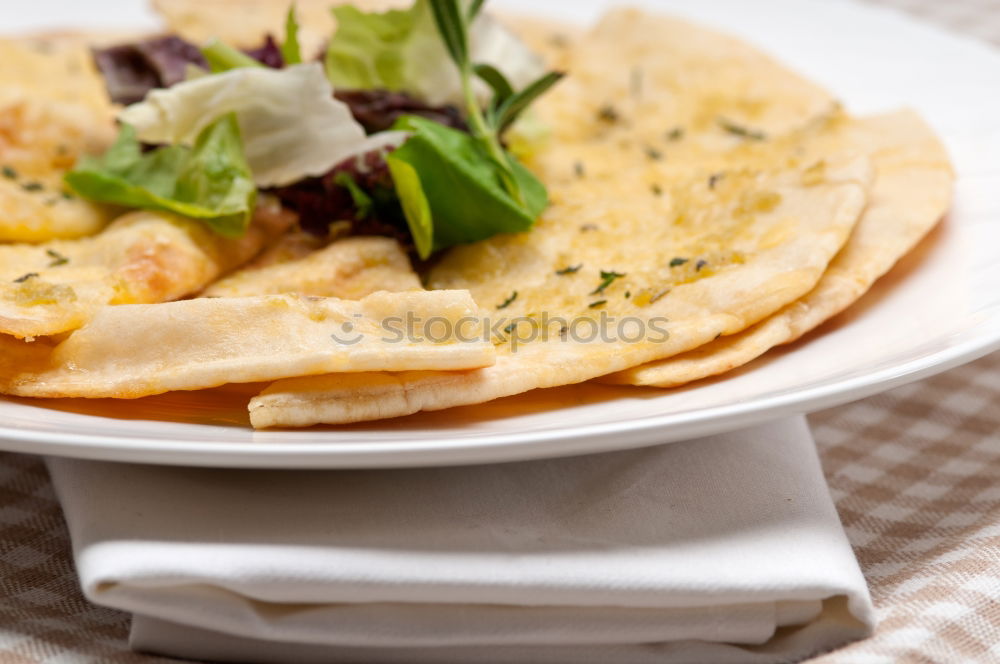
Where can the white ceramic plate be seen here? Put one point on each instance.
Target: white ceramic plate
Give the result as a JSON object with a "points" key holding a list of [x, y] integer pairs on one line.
{"points": [[939, 308]]}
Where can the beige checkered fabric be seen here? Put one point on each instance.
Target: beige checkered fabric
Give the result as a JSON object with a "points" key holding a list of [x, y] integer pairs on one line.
{"points": [[915, 474]]}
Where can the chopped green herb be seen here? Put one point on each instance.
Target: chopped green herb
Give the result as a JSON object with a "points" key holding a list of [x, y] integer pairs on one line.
{"points": [[608, 114], [586, 228], [68, 196], [509, 301], [657, 190], [677, 262], [57, 258], [700, 264], [635, 82], [599, 303], [9, 173], [23, 278], [714, 180], [659, 296], [718, 336], [570, 269], [510, 328], [579, 169], [741, 131], [628, 294], [653, 153], [32, 186], [676, 134], [607, 278]]}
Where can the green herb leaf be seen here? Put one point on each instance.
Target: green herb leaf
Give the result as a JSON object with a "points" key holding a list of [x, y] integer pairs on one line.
{"points": [[453, 186], [474, 8], [570, 269], [210, 182], [607, 278], [57, 258], [454, 31], [509, 301], [741, 131], [502, 89], [511, 108], [222, 57], [486, 128], [415, 205], [291, 51], [362, 201]]}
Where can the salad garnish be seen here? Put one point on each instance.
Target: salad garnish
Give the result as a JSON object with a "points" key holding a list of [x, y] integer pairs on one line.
{"points": [[292, 126], [397, 130], [210, 181]]}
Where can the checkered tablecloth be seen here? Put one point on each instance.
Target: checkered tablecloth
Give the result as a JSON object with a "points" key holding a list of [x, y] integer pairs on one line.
{"points": [[915, 474]]}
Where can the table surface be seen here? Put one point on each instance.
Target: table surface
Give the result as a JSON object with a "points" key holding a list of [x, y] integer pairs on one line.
{"points": [[915, 474]]}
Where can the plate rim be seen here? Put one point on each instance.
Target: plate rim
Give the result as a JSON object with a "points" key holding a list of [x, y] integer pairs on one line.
{"points": [[457, 448], [497, 447]]}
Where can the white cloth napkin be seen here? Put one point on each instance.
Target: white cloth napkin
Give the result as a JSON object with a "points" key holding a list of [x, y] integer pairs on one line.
{"points": [[715, 550]]}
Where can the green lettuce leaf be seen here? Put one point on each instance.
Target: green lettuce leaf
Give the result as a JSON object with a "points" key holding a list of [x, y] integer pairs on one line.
{"points": [[401, 50], [452, 192], [210, 181], [291, 51]]}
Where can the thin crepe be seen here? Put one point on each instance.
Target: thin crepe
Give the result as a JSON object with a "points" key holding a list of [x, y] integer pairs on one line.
{"points": [[643, 225], [912, 191], [143, 257], [350, 268], [53, 109], [132, 351]]}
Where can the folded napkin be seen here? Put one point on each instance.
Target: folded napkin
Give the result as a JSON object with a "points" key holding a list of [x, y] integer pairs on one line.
{"points": [[722, 549]]}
